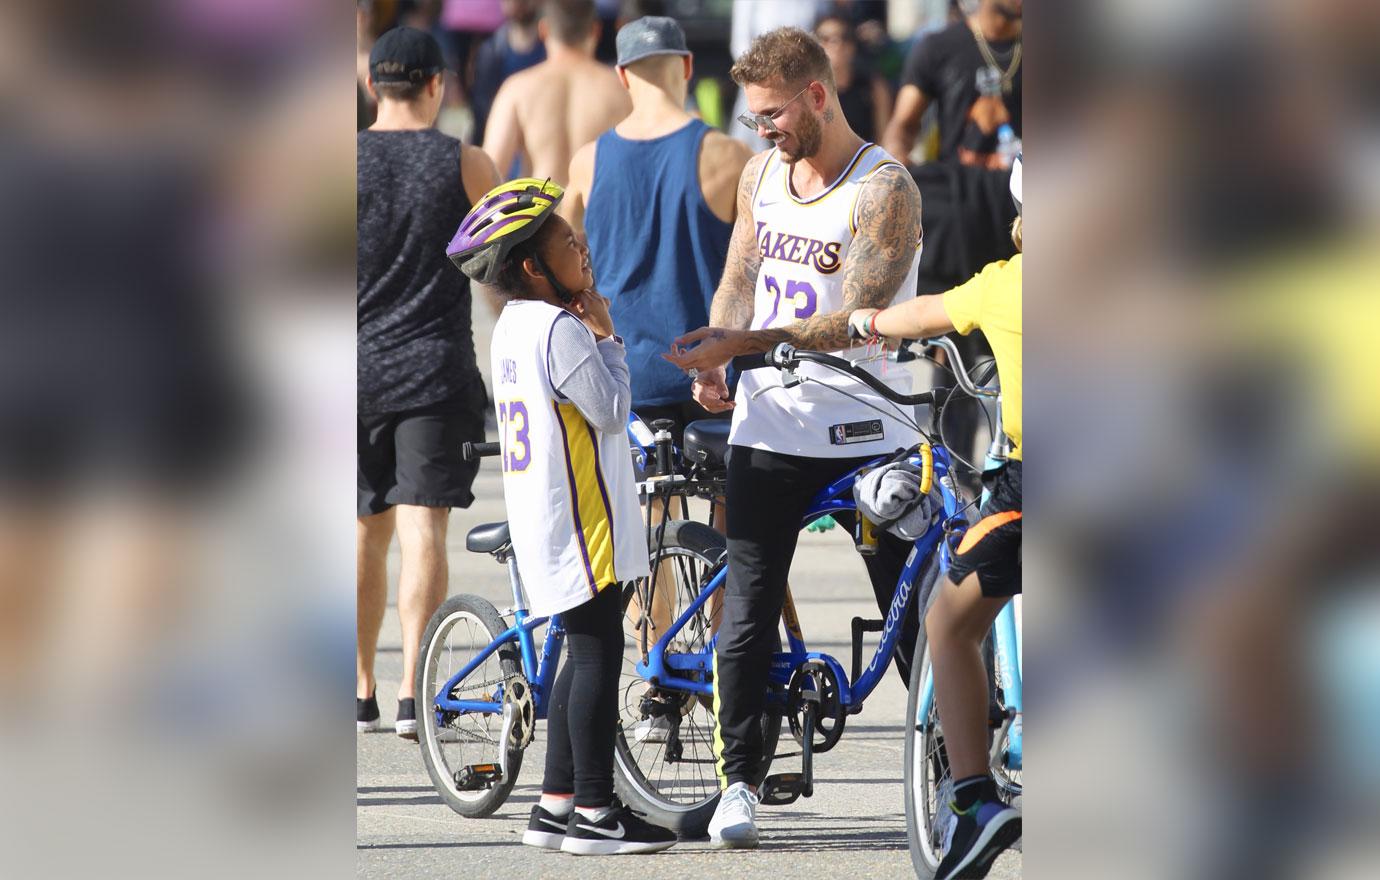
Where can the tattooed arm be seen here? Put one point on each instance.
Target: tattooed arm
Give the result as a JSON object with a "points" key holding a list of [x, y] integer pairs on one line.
{"points": [[888, 214], [732, 306]]}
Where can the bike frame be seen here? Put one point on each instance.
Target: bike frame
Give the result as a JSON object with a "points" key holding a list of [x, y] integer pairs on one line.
{"points": [[540, 673], [673, 672], [1006, 648]]}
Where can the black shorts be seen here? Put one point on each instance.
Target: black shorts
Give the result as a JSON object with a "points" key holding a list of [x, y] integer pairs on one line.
{"points": [[680, 414], [992, 545], [413, 457]]}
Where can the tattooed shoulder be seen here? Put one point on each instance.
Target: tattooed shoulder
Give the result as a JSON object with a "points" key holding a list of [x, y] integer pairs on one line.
{"points": [[888, 232]]}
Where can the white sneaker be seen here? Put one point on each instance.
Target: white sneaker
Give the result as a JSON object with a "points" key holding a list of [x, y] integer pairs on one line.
{"points": [[734, 825]]}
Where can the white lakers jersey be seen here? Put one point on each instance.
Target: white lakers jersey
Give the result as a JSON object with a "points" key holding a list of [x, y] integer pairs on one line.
{"points": [[570, 491], [803, 243]]}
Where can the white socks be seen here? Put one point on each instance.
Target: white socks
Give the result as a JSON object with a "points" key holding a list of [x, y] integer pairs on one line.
{"points": [[595, 814], [557, 806]]}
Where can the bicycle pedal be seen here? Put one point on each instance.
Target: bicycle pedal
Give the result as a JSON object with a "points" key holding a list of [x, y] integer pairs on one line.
{"points": [[477, 777], [783, 788]]}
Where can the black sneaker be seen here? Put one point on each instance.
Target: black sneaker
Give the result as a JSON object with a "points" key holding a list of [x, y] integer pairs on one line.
{"points": [[621, 831], [406, 725], [980, 834], [545, 830], [366, 715]]}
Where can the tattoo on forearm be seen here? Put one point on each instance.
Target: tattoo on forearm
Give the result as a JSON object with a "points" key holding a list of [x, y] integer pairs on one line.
{"points": [[732, 306], [877, 262]]}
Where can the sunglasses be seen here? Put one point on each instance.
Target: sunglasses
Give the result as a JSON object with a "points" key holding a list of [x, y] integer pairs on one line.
{"points": [[755, 121]]}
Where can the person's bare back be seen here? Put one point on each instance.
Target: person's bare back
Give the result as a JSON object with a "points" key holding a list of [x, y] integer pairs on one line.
{"points": [[547, 112]]}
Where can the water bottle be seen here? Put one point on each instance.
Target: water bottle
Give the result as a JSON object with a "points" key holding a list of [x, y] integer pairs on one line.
{"points": [[1008, 145]]}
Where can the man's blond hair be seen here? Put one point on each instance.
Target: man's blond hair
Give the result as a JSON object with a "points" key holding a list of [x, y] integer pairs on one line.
{"points": [[790, 54]]}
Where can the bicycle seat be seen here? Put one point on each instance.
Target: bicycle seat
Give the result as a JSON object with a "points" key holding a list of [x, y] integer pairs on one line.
{"points": [[487, 538], [706, 441]]}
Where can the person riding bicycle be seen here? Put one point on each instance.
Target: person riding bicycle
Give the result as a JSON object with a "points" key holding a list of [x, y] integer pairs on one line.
{"points": [[561, 392], [987, 562], [826, 223]]}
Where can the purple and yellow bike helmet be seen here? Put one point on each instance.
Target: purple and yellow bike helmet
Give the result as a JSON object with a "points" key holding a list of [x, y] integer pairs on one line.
{"points": [[508, 215]]}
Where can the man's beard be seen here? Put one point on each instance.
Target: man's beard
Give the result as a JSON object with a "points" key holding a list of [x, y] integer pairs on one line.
{"points": [[809, 135]]}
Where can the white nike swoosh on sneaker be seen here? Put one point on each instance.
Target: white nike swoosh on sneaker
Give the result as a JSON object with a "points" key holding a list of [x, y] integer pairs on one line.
{"points": [[616, 834], [560, 825]]}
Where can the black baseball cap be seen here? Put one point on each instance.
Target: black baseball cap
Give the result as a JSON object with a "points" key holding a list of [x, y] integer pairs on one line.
{"points": [[405, 54]]}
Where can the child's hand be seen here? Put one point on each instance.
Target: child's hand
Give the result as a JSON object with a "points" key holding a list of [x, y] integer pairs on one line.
{"points": [[859, 324], [592, 307]]}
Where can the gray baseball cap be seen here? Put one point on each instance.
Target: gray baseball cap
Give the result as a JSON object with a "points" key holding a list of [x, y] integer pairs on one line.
{"points": [[647, 36]]}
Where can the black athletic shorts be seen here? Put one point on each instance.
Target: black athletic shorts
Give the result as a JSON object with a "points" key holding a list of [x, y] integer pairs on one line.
{"points": [[992, 545], [413, 457]]}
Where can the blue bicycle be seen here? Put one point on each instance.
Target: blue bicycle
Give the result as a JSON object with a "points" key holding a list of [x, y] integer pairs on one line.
{"points": [[481, 683], [665, 759]]}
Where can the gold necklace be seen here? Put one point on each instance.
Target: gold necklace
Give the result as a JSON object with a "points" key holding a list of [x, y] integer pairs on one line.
{"points": [[1008, 76]]}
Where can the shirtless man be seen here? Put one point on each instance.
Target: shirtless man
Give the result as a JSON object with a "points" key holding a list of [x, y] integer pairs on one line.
{"points": [[534, 118]]}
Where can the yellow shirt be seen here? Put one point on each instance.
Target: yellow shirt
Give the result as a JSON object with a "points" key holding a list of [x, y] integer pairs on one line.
{"points": [[991, 302]]}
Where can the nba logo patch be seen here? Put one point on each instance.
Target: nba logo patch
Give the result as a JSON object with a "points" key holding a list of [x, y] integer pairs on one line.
{"points": [[856, 432]]}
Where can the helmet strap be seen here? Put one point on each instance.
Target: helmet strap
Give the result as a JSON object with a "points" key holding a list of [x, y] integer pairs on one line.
{"points": [[563, 293]]}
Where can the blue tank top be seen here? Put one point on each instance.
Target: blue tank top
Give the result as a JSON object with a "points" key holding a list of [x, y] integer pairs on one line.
{"points": [[657, 250]]}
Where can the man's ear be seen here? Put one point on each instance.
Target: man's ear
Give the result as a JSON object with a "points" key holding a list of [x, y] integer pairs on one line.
{"points": [[543, 30], [689, 66], [623, 77], [595, 33], [369, 87], [435, 85]]}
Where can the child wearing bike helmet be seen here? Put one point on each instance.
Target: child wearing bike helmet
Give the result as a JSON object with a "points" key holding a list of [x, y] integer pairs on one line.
{"points": [[561, 395], [986, 566]]}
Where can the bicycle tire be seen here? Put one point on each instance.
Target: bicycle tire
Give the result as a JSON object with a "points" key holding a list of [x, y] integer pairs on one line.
{"points": [[924, 778], [689, 818], [473, 805]]}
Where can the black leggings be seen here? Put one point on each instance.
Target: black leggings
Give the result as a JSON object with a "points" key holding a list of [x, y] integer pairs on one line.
{"points": [[582, 716], [768, 494]]}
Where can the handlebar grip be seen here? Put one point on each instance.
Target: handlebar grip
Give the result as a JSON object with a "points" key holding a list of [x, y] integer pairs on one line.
{"points": [[471, 451], [744, 362]]}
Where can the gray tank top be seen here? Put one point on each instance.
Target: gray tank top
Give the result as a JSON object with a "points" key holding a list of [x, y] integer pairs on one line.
{"points": [[416, 347]]}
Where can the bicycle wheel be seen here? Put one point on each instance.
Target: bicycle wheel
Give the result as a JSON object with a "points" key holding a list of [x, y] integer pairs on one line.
{"points": [[928, 783], [669, 773], [462, 627]]}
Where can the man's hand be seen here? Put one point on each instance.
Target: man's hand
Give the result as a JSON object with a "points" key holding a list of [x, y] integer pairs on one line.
{"points": [[860, 323], [717, 346], [592, 307], [710, 390]]}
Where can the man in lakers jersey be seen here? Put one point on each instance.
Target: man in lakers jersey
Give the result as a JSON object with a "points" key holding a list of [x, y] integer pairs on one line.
{"points": [[827, 223]]}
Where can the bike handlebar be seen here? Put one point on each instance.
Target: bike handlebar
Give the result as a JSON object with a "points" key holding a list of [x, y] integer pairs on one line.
{"points": [[786, 357], [470, 451]]}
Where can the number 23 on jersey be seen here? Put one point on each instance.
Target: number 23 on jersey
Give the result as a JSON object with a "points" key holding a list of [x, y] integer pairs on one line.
{"points": [[514, 426]]}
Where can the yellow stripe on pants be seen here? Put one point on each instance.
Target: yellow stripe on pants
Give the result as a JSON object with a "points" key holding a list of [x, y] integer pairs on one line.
{"points": [[718, 728]]}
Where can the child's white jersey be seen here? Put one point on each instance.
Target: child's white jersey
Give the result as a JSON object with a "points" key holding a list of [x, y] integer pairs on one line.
{"points": [[570, 490], [803, 243]]}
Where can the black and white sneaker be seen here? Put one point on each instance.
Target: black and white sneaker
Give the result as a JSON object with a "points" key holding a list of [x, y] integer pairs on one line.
{"points": [[979, 834], [545, 830], [406, 725], [620, 832], [366, 715]]}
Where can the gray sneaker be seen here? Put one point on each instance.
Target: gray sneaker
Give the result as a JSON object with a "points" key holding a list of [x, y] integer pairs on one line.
{"points": [[734, 824]]}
